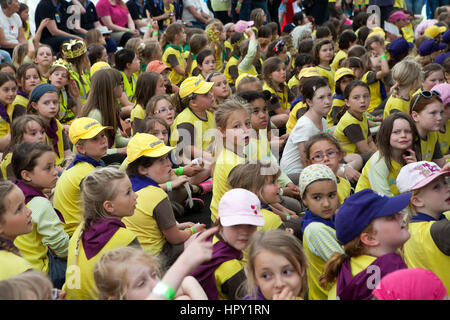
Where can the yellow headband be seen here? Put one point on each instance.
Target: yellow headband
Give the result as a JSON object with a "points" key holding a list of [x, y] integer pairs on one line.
{"points": [[69, 53]]}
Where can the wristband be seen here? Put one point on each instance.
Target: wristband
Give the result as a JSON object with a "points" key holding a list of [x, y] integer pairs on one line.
{"points": [[288, 216], [375, 124], [239, 4], [155, 33], [178, 171], [128, 29], [192, 230], [30, 40], [149, 26], [163, 290], [281, 191], [383, 57], [169, 186]]}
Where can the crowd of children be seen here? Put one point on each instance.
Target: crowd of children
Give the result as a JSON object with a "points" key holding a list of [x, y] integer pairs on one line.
{"points": [[320, 156]]}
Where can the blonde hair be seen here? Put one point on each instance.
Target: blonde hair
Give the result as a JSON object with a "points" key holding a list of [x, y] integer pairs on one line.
{"points": [[19, 54], [93, 36], [133, 44], [279, 242], [148, 49], [110, 272], [5, 189], [404, 74], [19, 287]]}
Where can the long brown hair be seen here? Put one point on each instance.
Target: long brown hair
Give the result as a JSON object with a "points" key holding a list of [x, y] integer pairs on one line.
{"points": [[384, 137], [101, 97]]}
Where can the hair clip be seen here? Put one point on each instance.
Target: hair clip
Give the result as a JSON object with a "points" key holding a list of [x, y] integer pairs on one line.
{"points": [[278, 46]]}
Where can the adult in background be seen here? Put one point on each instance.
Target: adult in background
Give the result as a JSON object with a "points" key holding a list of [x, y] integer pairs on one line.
{"points": [[57, 30], [222, 10], [114, 14], [195, 14], [386, 7], [318, 9], [11, 29]]}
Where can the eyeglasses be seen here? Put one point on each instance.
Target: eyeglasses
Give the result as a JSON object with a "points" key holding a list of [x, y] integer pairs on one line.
{"points": [[320, 156], [164, 110], [427, 95]]}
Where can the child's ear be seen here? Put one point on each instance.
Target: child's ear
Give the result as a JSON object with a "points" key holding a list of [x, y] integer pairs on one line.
{"points": [[415, 116], [368, 239], [25, 175], [143, 171], [108, 206], [80, 148], [417, 201], [33, 105], [222, 132]]}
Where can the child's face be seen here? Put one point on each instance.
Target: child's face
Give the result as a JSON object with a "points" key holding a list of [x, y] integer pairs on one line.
{"points": [[238, 236], [160, 132], [33, 132], [8, 92], [279, 75], [358, 72], [271, 191], [59, 78], [429, 119], [325, 152], [9, 70], [31, 80], [124, 203], [321, 101], [161, 170], [141, 280], [274, 273], [95, 148], [259, 116], [44, 57], [24, 15], [104, 55], [203, 101], [165, 75], [326, 52], [48, 105], [433, 79], [135, 65], [118, 91], [160, 87], [344, 83], [358, 100], [401, 135], [391, 231], [321, 198], [237, 132], [17, 218], [435, 196], [45, 174], [165, 110], [208, 65], [221, 88]]}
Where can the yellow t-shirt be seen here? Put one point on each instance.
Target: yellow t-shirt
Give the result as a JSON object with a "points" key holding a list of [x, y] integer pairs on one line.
{"points": [[129, 87], [420, 251], [60, 145], [347, 120], [341, 54], [142, 222], [4, 166], [80, 283], [293, 115], [444, 138], [272, 221], [335, 107], [375, 91], [226, 161], [396, 103], [344, 189], [283, 96], [329, 74], [408, 33], [427, 147], [202, 138], [293, 82], [174, 77], [83, 82], [137, 112], [67, 195], [5, 126], [12, 265], [233, 61]]}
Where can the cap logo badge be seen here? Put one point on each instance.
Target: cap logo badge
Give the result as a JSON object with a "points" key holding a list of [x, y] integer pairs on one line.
{"points": [[198, 81], [153, 144], [427, 170], [90, 125], [254, 208]]}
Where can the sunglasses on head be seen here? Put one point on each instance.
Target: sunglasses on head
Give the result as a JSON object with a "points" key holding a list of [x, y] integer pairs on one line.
{"points": [[427, 94]]}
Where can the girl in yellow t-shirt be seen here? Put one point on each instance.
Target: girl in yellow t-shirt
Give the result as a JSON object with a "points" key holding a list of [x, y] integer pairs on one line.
{"points": [[406, 75], [395, 145], [28, 78], [323, 53], [281, 255], [108, 197], [206, 64], [171, 43], [426, 111], [15, 220]]}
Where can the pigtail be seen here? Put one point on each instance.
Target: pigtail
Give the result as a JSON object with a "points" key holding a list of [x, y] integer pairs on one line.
{"points": [[332, 269], [9, 246]]}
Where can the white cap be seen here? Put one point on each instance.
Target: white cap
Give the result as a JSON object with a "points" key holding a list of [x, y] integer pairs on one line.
{"points": [[417, 175], [240, 206]]}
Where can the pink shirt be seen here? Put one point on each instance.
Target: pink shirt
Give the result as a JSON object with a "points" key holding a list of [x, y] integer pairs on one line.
{"points": [[119, 15]]}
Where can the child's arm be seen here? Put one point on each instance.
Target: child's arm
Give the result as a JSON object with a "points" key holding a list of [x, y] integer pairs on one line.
{"points": [[4, 142], [247, 62], [384, 72], [322, 240], [195, 254], [191, 289]]}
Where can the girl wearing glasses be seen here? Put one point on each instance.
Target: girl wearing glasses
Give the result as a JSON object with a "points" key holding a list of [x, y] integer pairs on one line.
{"points": [[427, 110], [395, 143]]}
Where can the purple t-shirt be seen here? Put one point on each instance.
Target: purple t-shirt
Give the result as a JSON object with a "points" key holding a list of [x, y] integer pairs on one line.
{"points": [[118, 14]]}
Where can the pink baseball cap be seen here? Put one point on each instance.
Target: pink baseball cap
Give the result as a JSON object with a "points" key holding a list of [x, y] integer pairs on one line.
{"points": [[444, 90], [398, 15], [410, 284], [242, 25], [240, 206], [417, 175]]}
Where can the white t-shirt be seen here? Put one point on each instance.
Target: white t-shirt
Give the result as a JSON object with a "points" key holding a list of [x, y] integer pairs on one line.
{"points": [[10, 26], [198, 6], [303, 130]]}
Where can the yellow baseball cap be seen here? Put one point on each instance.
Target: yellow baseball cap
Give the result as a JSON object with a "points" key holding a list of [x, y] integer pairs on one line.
{"points": [[194, 85], [377, 31], [308, 72], [341, 72], [433, 31], [144, 144], [98, 66], [85, 128]]}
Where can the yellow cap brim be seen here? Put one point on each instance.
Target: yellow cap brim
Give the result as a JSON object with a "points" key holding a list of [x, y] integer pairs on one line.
{"points": [[343, 75], [90, 134], [151, 153], [204, 88]]}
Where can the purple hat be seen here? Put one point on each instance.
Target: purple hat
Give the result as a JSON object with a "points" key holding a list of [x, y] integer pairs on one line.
{"points": [[358, 210], [399, 46], [446, 36], [429, 46], [441, 58], [398, 15]]}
